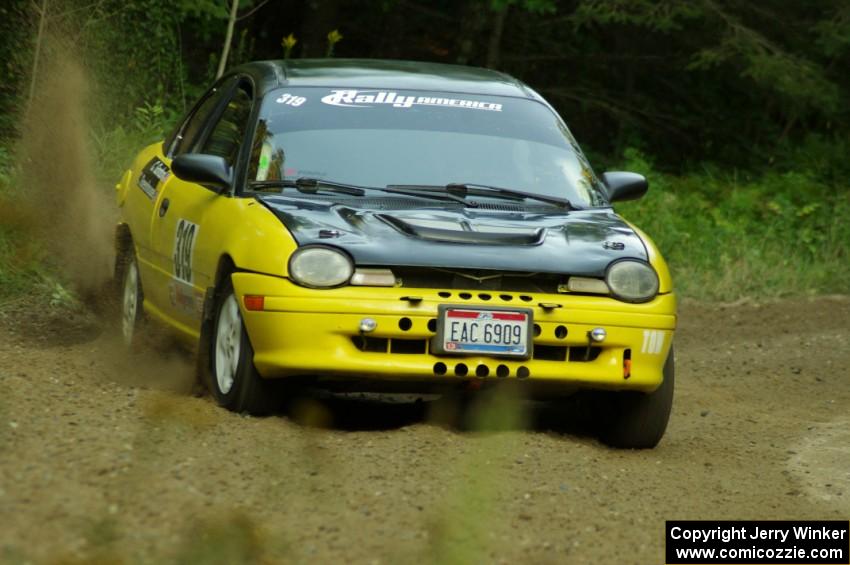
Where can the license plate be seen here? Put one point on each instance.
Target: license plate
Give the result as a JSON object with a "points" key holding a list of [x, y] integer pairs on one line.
{"points": [[483, 331]]}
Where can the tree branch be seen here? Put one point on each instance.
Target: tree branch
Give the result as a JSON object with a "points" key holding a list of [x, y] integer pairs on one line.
{"points": [[38, 40], [428, 11], [225, 50], [252, 10]]}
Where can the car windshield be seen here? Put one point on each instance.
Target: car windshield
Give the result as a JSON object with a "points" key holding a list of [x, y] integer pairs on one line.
{"points": [[399, 137]]}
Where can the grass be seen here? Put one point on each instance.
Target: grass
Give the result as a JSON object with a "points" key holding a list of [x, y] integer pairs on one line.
{"points": [[26, 268], [728, 236], [23, 263]]}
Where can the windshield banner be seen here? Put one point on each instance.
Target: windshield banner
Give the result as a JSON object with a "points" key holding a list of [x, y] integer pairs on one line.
{"points": [[369, 98]]}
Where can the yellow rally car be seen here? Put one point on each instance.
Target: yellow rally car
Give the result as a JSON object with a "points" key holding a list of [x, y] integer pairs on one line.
{"points": [[395, 226]]}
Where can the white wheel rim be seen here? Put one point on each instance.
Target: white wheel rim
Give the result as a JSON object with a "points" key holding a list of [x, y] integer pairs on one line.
{"points": [[130, 303], [228, 341]]}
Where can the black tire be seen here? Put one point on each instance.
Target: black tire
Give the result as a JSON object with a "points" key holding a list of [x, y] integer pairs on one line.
{"points": [[635, 420], [234, 381], [130, 299]]}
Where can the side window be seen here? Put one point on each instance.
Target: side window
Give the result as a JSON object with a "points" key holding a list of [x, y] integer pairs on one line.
{"points": [[193, 126], [226, 137], [183, 140]]}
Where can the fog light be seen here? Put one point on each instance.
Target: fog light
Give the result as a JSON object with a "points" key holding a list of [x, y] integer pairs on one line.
{"points": [[373, 277], [368, 325], [587, 285], [598, 335]]}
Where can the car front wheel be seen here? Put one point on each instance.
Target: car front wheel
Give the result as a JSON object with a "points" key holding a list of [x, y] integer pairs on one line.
{"points": [[236, 384], [638, 420]]}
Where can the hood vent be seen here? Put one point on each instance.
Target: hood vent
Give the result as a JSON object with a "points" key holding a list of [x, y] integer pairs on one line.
{"points": [[464, 232]]}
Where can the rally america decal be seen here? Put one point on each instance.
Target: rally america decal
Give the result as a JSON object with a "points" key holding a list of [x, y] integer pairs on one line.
{"points": [[184, 246], [152, 175], [369, 98]]}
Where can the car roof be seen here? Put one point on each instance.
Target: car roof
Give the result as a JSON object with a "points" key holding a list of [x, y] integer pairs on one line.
{"points": [[382, 74]]}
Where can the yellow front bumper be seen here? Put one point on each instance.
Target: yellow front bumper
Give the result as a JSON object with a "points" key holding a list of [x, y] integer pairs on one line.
{"points": [[304, 331]]}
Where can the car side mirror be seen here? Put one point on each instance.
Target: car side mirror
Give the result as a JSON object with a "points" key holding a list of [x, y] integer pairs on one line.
{"points": [[209, 171], [624, 186]]}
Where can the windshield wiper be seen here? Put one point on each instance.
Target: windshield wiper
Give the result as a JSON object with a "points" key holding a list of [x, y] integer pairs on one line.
{"points": [[456, 192], [308, 186], [464, 188], [427, 191], [459, 191]]}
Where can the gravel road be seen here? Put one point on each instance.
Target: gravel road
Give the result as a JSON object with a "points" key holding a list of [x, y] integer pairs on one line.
{"points": [[108, 457]]}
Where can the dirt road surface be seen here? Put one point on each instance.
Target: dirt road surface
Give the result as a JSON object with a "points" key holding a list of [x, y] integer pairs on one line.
{"points": [[108, 457]]}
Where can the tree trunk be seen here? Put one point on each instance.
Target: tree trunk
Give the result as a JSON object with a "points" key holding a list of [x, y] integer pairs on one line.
{"points": [[494, 47], [42, 16], [391, 42], [225, 50], [472, 22]]}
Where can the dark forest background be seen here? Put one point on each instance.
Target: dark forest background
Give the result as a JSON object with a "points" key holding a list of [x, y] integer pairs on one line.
{"points": [[736, 110], [731, 81]]}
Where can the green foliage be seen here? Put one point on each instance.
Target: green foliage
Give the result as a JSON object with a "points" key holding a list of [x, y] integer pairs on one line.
{"points": [[727, 235], [7, 168], [148, 120], [334, 37], [60, 295], [801, 84], [134, 57], [24, 266], [532, 6], [288, 43], [21, 260], [662, 16], [16, 275], [14, 32], [724, 81], [202, 9], [833, 32], [114, 147]]}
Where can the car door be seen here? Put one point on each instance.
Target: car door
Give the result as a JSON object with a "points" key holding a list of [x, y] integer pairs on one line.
{"points": [[184, 243], [153, 180]]}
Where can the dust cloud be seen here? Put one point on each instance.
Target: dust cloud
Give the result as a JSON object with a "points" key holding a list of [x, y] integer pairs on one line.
{"points": [[61, 201], [66, 213]]}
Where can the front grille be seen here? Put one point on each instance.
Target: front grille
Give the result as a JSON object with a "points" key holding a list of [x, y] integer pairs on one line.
{"points": [[374, 344], [394, 345], [579, 354], [408, 346], [475, 279], [422, 346], [550, 352]]}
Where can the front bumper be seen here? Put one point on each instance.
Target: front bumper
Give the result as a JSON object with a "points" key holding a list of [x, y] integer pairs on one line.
{"points": [[308, 332]]}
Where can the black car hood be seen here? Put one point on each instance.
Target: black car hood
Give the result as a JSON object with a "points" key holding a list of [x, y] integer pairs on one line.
{"points": [[418, 234]]}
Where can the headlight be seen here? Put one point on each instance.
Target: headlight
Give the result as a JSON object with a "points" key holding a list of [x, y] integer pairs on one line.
{"points": [[320, 267], [632, 281]]}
